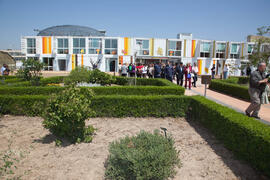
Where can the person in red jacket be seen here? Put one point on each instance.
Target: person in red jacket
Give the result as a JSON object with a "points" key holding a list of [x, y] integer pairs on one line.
{"points": [[188, 71]]}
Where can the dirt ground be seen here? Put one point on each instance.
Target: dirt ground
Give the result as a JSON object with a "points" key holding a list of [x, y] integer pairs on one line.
{"points": [[202, 156]]}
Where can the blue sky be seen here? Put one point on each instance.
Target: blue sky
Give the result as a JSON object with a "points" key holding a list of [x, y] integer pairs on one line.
{"points": [[230, 20]]}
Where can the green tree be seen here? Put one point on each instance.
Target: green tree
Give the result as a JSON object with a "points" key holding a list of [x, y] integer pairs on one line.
{"points": [[258, 54], [30, 70]]}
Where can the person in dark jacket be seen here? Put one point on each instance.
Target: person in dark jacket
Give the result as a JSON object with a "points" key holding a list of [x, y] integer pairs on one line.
{"points": [[157, 71], [162, 74], [248, 70], [180, 74], [168, 72], [257, 84]]}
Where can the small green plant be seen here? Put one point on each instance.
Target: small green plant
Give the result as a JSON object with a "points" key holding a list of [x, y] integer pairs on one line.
{"points": [[145, 156], [7, 161], [66, 114], [30, 71]]}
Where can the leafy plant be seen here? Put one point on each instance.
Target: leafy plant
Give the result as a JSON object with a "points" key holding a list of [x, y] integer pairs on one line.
{"points": [[258, 55], [66, 114], [30, 71], [145, 156], [7, 161]]}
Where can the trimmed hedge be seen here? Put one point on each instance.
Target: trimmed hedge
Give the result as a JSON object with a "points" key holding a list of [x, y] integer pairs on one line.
{"points": [[52, 80], [104, 106], [124, 81], [7, 77], [111, 90], [234, 90], [249, 139]]}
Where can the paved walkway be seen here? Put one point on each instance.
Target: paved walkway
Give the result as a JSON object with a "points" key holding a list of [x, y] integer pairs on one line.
{"points": [[234, 103]]}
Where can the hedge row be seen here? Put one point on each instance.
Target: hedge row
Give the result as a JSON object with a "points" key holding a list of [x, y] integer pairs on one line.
{"points": [[234, 90], [104, 106], [7, 77], [143, 81], [109, 90], [17, 82], [248, 138], [237, 80]]}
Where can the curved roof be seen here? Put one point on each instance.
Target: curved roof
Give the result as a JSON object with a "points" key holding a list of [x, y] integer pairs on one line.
{"points": [[70, 30]]}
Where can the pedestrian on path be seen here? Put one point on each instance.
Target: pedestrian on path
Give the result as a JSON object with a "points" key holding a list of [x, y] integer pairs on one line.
{"points": [[257, 85], [180, 74], [213, 70], [225, 71], [195, 74], [188, 71]]}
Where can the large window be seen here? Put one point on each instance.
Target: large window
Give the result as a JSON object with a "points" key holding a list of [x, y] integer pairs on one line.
{"points": [[78, 45], [62, 46], [174, 48], [110, 46], [250, 48], [48, 64], [31, 46], [142, 47], [205, 49], [94, 46], [235, 51], [220, 51]]}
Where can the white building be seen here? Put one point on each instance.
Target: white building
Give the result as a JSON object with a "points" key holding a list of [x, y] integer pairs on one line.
{"points": [[63, 48]]}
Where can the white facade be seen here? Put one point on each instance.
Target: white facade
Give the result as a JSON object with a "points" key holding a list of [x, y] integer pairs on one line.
{"points": [[109, 52]]}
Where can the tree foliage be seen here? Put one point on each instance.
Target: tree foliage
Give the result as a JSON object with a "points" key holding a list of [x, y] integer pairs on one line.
{"points": [[30, 70], [260, 55]]}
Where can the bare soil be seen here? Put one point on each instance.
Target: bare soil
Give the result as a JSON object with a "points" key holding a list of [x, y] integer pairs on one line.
{"points": [[202, 156]]}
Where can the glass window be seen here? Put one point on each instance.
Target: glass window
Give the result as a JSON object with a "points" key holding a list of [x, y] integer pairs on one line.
{"points": [[250, 48], [94, 46], [221, 49], [174, 48], [205, 49], [235, 51], [142, 47], [111, 46], [78, 45], [62, 46], [31, 46]]}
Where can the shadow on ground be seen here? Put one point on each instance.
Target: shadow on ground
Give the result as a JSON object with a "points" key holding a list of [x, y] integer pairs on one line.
{"points": [[50, 138], [227, 156]]}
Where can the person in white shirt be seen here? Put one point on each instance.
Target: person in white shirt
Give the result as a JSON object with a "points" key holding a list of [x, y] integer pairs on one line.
{"points": [[3, 69], [225, 71], [144, 71], [195, 74]]}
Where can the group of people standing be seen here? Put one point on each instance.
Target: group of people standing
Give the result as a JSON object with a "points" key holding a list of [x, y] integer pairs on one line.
{"points": [[167, 71]]}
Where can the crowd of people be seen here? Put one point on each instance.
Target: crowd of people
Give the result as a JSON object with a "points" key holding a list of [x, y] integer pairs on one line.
{"points": [[183, 74]]}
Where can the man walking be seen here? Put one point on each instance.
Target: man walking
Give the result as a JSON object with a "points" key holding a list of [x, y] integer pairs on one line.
{"points": [[257, 84], [180, 74], [157, 71], [169, 72]]}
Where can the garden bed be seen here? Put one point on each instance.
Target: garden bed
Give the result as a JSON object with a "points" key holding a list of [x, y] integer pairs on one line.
{"points": [[201, 155]]}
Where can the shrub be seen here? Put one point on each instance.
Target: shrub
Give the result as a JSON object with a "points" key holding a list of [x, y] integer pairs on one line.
{"points": [[143, 81], [23, 105], [52, 80], [248, 138], [234, 90], [7, 77], [145, 156], [30, 71], [81, 74], [66, 114], [112, 90]]}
